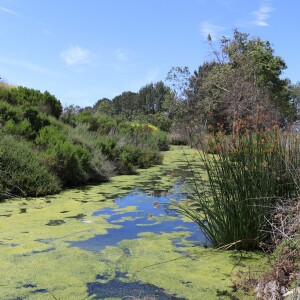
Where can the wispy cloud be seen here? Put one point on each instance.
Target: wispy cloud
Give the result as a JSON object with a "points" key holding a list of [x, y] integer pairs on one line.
{"points": [[47, 32], [121, 55], [262, 15], [151, 76], [8, 11], [75, 56], [119, 60], [207, 28], [28, 66]]}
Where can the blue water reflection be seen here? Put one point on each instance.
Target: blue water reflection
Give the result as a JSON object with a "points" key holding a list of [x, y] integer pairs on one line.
{"points": [[153, 214]]}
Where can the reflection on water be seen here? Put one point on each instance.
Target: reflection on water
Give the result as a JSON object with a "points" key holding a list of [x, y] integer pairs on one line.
{"points": [[153, 214], [119, 288]]}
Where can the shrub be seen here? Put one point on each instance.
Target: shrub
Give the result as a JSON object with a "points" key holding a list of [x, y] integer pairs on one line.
{"points": [[101, 168], [50, 135], [9, 112], [129, 153], [102, 124], [162, 140], [160, 120], [22, 129], [69, 162], [23, 172], [74, 154], [36, 119]]}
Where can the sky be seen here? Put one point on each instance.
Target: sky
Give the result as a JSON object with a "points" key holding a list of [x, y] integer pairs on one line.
{"points": [[84, 50]]}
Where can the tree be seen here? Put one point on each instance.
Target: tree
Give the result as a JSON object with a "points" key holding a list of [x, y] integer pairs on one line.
{"points": [[244, 76], [126, 104], [296, 98], [152, 97], [69, 114], [104, 106]]}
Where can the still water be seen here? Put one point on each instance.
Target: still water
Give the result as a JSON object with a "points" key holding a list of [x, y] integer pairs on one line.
{"points": [[153, 213]]}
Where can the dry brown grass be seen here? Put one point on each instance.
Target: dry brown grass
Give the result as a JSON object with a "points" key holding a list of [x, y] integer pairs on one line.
{"points": [[283, 277]]}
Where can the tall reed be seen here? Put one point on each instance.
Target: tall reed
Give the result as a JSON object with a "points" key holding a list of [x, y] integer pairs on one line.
{"points": [[247, 175]]}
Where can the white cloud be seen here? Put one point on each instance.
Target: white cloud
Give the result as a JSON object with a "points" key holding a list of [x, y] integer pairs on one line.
{"points": [[75, 55], [8, 11], [262, 15], [213, 30]]}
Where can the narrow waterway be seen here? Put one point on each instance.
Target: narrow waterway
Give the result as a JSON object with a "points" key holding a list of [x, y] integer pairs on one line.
{"points": [[119, 240]]}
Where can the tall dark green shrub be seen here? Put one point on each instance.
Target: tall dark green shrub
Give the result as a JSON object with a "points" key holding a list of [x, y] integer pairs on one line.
{"points": [[22, 170]]}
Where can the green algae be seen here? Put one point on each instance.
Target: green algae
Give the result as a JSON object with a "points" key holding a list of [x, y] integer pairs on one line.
{"points": [[156, 260], [38, 257]]}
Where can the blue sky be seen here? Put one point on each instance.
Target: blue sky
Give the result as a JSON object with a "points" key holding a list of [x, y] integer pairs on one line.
{"points": [[84, 50]]}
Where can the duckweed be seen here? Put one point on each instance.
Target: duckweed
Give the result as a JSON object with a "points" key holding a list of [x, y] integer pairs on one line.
{"points": [[38, 261]]}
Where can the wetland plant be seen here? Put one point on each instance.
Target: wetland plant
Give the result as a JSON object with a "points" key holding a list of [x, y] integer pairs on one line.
{"points": [[249, 172]]}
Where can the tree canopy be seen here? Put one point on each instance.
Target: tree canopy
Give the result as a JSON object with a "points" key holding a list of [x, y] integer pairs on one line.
{"points": [[244, 75]]}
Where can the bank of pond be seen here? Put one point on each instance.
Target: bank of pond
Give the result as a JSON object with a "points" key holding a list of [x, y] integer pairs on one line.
{"points": [[117, 240]]}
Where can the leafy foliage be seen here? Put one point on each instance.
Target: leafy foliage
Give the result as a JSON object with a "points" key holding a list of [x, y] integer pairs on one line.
{"points": [[25, 97], [23, 171], [243, 75]]}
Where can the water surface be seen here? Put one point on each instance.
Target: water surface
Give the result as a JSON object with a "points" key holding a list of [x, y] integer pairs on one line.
{"points": [[153, 213]]}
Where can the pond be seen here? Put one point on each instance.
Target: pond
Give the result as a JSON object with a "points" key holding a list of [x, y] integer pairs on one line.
{"points": [[119, 240]]}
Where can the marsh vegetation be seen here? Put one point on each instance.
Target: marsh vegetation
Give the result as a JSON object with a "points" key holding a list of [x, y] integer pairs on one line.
{"points": [[134, 210]]}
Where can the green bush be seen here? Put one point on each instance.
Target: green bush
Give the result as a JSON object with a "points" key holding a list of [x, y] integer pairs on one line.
{"points": [[30, 98], [160, 120], [162, 140], [9, 112], [102, 124], [23, 172], [80, 146], [69, 162], [129, 153], [74, 154], [50, 136], [101, 168], [22, 129]]}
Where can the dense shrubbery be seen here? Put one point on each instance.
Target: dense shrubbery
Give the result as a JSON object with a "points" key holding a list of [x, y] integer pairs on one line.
{"points": [[79, 147], [73, 155], [22, 96], [23, 171]]}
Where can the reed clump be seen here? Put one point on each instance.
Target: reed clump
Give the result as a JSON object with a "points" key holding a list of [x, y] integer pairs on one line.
{"points": [[248, 171]]}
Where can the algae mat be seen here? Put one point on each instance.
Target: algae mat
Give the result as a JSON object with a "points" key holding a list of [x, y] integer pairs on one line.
{"points": [[38, 260]]}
